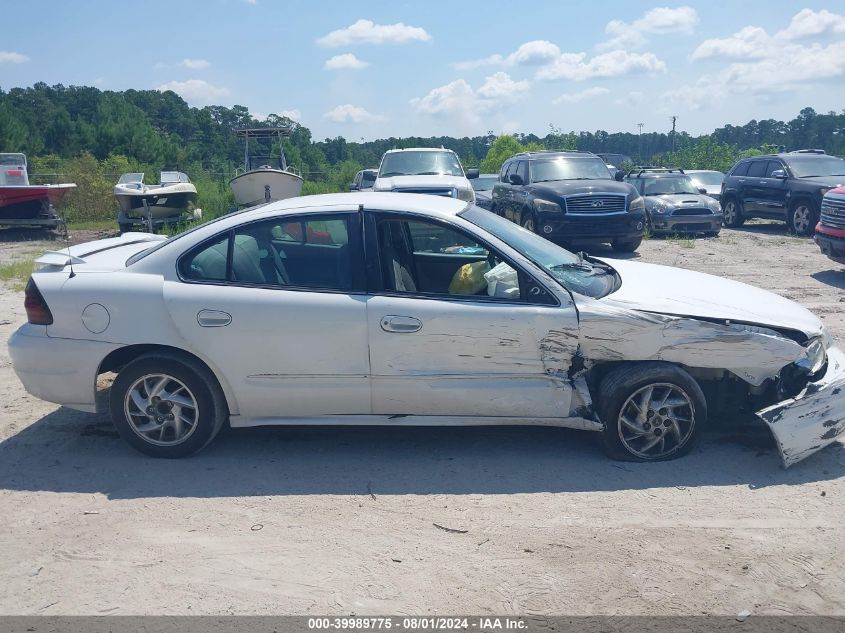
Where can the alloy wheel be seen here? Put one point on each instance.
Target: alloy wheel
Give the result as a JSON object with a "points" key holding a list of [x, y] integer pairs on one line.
{"points": [[802, 218], [656, 421], [161, 409]]}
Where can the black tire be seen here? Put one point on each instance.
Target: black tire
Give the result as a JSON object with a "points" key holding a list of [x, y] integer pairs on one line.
{"points": [[733, 216], [210, 412], [125, 228], [626, 246], [624, 383], [802, 217], [528, 221], [711, 233]]}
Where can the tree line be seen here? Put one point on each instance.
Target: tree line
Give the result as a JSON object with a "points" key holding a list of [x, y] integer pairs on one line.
{"points": [[92, 136]]}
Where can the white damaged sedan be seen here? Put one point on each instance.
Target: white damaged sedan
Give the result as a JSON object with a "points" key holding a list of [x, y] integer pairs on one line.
{"points": [[403, 309]]}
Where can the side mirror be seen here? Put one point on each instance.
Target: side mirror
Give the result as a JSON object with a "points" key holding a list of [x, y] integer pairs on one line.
{"points": [[353, 187], [473, 173], [619, 176], [702, 191], [778, 173], [516, 179]]}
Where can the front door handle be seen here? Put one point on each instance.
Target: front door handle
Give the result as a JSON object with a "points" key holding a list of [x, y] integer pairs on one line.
{"points": [[213, 318], [400, 324]]}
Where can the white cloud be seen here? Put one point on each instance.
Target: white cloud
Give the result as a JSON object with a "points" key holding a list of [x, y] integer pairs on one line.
{"points": [[749, 42], [10, 57], [195, 64], [577, 67], [577, 97], [253, 2], [367, 32], [765, 63], [500, 86], [196, 90], [347, 61], [348, 113], [809, 23], [293, 115], [464, 106], [533, 53], [660, 20]]}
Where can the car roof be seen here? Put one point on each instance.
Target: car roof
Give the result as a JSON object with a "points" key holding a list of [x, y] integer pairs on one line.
{"points": [[702, 171], [574, 153], [378, 201], [419, 149]]}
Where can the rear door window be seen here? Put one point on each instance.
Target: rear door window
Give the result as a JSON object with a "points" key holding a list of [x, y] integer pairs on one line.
{"points": [[757, 169], [741, 169]]}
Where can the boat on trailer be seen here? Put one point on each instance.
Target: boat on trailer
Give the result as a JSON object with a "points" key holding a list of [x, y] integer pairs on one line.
{"points": [[264, 177], [23, 204], [171, 201]]}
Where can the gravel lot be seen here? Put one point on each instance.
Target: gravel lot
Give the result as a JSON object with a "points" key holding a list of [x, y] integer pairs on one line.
{"points": [[342, 520]]}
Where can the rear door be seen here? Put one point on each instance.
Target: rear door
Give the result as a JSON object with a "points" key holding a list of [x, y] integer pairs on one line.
{"points": [[448, 340], [278, 307]]}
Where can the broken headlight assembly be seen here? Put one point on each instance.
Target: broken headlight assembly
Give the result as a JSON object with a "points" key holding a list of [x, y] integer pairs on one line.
{"points": [[815, 357]]}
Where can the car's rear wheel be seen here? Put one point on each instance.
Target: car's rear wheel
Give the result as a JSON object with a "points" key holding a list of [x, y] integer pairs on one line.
{"points": [[626, 246], [732, 214], [528, 222], [651, 411], [167, 406], [802, 217]]}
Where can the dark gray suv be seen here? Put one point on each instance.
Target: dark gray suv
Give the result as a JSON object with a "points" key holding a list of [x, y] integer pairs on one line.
{"points": [[787, 187]]}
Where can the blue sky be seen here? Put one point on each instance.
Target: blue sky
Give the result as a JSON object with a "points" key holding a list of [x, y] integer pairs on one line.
{"points": [[376, 69]]}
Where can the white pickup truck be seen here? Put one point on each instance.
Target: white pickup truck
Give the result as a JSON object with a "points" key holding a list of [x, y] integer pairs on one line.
{"points": [[427, 170]]}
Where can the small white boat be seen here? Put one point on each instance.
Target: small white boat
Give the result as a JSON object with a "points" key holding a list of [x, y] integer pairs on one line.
{"points": [[267, 177], [172, 200]]}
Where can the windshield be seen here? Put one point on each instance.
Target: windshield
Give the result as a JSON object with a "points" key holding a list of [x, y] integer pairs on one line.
{"points": [[668, 186], [565, 168], [484, 183], [412, 163], [813, 166], [708, 178], [571, 271]]}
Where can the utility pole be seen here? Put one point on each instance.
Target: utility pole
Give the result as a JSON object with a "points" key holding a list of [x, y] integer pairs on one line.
{"points": [[674, 118], [640, 141]]}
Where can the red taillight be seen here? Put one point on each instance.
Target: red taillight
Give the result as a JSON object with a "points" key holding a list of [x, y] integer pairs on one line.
{"points": [[37, 311], [14, 172]]}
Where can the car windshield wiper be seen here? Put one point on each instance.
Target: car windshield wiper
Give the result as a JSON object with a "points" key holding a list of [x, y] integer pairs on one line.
{"points": [[392, 173]]}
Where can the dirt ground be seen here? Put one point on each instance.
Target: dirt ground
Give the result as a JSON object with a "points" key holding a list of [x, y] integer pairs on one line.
{"points": [[341, 521]]}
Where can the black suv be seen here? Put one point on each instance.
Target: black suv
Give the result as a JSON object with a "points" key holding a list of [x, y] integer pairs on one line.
{"points": [[786, 187], [570, 197]]}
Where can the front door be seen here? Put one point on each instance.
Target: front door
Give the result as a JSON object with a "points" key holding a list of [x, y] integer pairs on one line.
{"points": [[277, 307], [456, 330]]}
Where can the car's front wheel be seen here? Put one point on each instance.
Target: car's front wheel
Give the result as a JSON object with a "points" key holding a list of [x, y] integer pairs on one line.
{"points": [[528, 222], [802, 217], [167, 406], [732, 214], [651, 411]]}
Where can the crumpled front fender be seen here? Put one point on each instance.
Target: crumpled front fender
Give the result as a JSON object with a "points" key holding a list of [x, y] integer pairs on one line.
{"points": [[814, 418]]}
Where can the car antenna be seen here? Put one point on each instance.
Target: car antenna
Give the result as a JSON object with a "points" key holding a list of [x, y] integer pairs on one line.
{"points": [[67, 243]]}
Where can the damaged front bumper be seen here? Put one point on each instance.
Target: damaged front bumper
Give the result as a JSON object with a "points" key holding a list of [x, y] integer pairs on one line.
{"points": [[814, 418]]}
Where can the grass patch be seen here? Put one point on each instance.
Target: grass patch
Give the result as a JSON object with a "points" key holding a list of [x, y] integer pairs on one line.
{"points": [[17, 273], [93, 225], [680, 240]]}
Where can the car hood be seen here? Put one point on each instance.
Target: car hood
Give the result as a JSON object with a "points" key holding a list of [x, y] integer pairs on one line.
{"points": [[680, 200], [679, 292], [414, 182], [562, 188], [826, 181]]}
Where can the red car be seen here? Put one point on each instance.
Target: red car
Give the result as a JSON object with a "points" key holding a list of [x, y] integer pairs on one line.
{"points": [[830, 231]]}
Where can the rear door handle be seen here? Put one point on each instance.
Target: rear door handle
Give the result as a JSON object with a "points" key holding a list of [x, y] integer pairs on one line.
{"points": [[400, 324], [213, 318]]}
